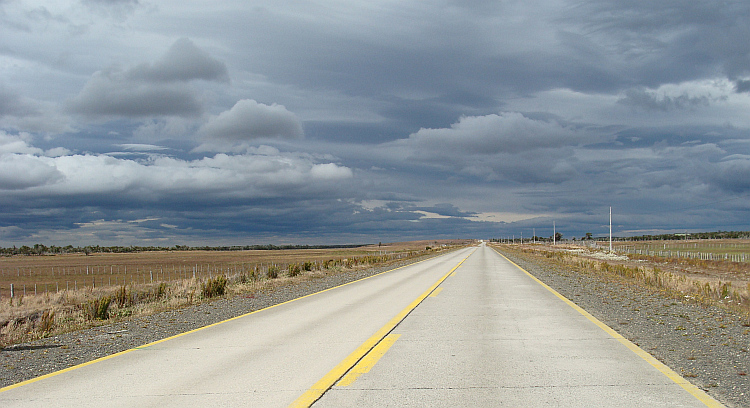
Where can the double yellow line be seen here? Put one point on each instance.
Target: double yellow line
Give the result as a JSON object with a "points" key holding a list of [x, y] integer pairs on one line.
{"points": [[373, 348]]}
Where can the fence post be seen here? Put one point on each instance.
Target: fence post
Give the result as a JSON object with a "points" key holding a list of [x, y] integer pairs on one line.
{"points": [[12, 291]]}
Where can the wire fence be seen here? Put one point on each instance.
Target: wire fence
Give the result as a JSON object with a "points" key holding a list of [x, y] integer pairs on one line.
{"points": [[705, 256], [35, 280]]}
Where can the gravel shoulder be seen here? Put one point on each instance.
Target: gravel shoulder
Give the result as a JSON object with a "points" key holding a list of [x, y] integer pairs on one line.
{"points": [[708, 346]]}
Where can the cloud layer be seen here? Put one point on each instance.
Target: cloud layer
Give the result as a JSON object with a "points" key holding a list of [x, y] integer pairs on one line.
{"points": [[130, 123]]}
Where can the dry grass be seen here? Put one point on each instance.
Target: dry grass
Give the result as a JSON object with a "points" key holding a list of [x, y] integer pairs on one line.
{"points": [[720, 283], [30, 317]]}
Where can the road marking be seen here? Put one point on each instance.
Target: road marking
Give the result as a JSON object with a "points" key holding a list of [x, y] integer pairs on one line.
{"points": [[436, 292], [368, 362], [324, 384], [98, 360], [672, 375]]}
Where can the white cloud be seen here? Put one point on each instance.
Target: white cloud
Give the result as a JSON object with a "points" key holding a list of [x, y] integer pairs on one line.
{"points": [[330, 171], [17, 144], [23, 171], [265, 173]]}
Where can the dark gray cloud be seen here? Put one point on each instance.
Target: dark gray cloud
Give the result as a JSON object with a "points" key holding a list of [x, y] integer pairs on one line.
{"points": [[182, 62], [643, 99], [742, 85], [148, 90], [12, 104], [109, 94], [733, 174], [248, 120], [112, 2], [117, 9], [669, 40]]}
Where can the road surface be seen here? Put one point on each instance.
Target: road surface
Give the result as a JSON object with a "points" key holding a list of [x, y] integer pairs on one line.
{"points": [[465, 329]]}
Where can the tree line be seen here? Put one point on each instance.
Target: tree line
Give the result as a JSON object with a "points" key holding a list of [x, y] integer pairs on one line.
{"points": [[40, 249]]}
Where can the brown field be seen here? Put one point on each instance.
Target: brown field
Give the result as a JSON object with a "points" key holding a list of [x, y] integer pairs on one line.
{"points": [[55, 273]]}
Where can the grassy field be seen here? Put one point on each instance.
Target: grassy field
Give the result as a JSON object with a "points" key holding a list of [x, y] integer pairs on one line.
{"points": [[55, 273]]}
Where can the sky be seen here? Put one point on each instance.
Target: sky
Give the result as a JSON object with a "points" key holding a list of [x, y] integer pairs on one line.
{"points": [[139, 122]]}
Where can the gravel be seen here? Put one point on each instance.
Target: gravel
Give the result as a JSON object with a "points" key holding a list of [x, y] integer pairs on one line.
{"points": [[706, 345]]}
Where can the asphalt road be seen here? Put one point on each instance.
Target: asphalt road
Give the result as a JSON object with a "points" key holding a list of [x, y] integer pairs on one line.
{"points": [[465, 329]]}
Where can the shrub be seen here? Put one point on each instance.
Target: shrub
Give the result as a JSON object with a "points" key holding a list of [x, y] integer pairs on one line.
{"points": [[214, 287], [307, 266], [161, 290], [98, 309], [273, 272], [122, 297], [294, 270]]}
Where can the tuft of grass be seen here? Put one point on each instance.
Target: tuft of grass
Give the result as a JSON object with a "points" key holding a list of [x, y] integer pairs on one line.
{"points": [[214, 287], [122, 297], [273, 272], [97, 309], [47, 322], [160, 291], [294, 270]]}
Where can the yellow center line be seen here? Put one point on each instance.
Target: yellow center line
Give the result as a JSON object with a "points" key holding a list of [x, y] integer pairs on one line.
{"points": [[436, 292], [324, 384], [676, 378], [368, 361]]}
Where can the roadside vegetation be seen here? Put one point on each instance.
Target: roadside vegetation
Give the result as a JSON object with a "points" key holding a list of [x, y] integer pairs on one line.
{"points": [[711, 282], [30, 317]]}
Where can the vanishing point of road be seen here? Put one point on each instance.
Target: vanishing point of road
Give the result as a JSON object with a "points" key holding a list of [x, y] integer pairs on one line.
{"points": [[468, 328]]}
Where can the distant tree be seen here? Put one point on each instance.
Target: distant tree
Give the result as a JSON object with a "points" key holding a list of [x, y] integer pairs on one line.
{"points": [[589, 236]]}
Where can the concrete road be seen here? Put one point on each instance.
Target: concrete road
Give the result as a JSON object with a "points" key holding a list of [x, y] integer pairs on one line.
{"points": [[465, 329], [494, 336]]}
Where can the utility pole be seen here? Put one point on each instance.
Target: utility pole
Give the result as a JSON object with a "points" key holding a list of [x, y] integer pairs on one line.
{"points": [[554, 234], [610, 229]]}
